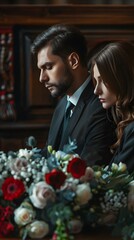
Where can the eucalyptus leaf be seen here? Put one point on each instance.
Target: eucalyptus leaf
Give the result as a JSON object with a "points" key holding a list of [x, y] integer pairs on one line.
{"points": [[70, 147], [31, 141]]}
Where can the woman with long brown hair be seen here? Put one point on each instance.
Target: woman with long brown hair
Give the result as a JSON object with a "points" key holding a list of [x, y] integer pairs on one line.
{"points": [[113, 76]]}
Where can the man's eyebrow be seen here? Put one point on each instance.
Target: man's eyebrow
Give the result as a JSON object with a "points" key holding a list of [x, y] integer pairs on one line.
{"points": [[45, 64]]}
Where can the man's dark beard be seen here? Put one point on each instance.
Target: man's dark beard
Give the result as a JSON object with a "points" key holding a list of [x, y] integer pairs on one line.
{"points": [[63, 88]]}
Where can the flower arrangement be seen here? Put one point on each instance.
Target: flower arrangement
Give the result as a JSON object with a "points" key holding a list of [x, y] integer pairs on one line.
{"points": [[60, 195]]}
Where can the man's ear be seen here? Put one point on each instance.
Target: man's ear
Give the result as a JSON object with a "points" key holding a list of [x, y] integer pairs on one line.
{"points": [[73, 60]]}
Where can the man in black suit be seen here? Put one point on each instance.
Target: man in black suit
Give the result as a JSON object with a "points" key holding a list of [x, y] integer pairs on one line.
{"points": [[62, 59]]}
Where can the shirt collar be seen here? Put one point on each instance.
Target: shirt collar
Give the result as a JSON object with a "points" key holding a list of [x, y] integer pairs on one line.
{"points": [[75, 97]]}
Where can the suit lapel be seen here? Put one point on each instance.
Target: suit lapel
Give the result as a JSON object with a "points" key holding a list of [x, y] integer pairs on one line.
{"points": [[57, 123], [78, 111], [72, 123], [59, 114], [76, 116], [84, 99]]}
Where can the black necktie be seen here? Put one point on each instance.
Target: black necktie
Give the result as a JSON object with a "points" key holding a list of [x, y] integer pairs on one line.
{"points": [[67, 116], [63, 129]]}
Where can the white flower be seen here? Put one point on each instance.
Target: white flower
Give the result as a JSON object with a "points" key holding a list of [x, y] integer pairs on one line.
{"points": [[122, 167], [60, 154], [70, 183], [114, 167], [17, 165], [113, 201], [38, 229], [41, 194], [45, 169], [83, 193], [25, 153], [24, 214]]}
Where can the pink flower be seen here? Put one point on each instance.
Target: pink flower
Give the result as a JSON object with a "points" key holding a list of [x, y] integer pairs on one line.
{"points": [[89, 173]]}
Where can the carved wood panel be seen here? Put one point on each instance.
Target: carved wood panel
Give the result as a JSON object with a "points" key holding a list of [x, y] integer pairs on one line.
{"points": [[34, 99], [33, 102]]}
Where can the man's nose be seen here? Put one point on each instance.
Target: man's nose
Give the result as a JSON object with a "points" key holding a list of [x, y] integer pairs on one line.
{"points": [[43, 77]]}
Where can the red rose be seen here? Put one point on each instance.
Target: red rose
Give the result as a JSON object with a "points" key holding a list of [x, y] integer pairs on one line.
{"points": [[76, 167], [8, 212], [5, 213], [12, 188], [2, 213], [55, 178], [6, 228]]}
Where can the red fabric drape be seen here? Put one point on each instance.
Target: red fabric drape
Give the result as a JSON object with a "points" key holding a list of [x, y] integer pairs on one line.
{"points": [[7, 104]]}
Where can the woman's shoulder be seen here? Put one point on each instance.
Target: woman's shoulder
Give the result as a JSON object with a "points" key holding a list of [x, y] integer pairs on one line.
{"points": [[129, 128], [130, 125]]}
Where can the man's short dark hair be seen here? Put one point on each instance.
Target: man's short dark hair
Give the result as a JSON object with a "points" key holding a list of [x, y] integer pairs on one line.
{"points": [[64, 39]]}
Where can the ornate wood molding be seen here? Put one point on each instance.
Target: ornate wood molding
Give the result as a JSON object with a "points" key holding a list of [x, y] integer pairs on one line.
{"points": [[77, 14], [34, 104]]}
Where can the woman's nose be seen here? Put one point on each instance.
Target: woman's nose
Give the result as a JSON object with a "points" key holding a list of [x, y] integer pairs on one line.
{"points": [[97, 90]]}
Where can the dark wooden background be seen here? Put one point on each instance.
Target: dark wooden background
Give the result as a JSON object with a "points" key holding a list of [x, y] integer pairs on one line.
{"points": [[34, 105]]}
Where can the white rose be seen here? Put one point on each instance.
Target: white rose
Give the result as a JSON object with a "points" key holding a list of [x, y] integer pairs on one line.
{"points": [[41, 194], [38, 229], [24, 214], [83, 193]]}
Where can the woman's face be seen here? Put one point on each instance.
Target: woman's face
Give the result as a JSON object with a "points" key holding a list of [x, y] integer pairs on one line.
{"points": [[106, 97]]}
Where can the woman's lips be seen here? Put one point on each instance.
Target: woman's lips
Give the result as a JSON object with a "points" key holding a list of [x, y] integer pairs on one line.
{"points": [[102, 100]]}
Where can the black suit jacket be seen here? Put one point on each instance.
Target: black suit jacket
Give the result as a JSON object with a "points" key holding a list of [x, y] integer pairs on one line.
{"points": [[88, 125], [125, 152]]}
